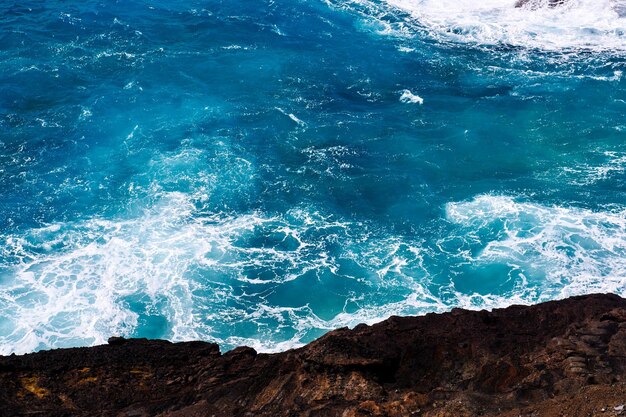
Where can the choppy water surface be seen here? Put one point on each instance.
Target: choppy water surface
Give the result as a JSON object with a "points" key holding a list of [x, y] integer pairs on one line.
{"points": [[262, 172]]}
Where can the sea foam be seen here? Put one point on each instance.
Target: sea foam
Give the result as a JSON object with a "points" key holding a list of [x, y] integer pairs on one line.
{"points": [[576, 25], [561, 251]]}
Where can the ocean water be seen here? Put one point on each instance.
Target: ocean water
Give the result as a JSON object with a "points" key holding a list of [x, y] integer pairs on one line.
{"points": [[261, 172]]}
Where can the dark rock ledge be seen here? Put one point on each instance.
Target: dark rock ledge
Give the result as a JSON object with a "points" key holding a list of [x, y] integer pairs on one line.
{"points": [[563, 358]]}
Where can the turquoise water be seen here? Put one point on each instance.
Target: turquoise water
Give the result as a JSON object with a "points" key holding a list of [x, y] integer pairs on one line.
{"points": [[262, 172]]}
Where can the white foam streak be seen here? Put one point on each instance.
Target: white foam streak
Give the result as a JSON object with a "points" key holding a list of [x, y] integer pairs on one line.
{"points": [[588, 174], [212, 276], [565, 250]]}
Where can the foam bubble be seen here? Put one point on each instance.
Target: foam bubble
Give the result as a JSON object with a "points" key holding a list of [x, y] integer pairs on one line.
{"points": [[408, 97]]}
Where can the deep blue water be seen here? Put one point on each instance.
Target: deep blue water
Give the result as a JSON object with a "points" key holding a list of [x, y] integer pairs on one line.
{"points": [[260, 172]]}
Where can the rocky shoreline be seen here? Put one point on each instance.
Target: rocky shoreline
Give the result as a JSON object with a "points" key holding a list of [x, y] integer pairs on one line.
{"points": [[561, 358]]}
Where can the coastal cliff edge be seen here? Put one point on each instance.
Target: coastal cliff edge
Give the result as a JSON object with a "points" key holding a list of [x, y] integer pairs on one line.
{"points": [[558, 358]]}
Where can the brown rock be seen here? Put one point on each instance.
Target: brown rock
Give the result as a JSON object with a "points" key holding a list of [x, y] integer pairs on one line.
{"points": [[559, 358]]}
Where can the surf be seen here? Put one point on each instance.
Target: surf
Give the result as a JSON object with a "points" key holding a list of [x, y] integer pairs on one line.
{"points": [[565, 27]]}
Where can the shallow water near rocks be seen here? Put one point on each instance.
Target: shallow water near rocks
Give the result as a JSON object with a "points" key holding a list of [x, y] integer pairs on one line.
{"points": [[262, 172]]}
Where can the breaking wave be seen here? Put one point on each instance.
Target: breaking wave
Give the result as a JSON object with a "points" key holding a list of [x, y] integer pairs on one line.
{"points": [[572, 26]]}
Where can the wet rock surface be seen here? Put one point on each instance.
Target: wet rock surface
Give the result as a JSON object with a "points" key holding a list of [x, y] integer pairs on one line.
{"points": [[536, 4], [563, 358]]}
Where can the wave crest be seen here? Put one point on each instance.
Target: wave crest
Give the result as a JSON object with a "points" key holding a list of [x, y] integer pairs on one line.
{"points": [[575, 25]]}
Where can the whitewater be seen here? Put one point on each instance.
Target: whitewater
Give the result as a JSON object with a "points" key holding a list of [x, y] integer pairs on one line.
{"points": [[260, 173]]}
